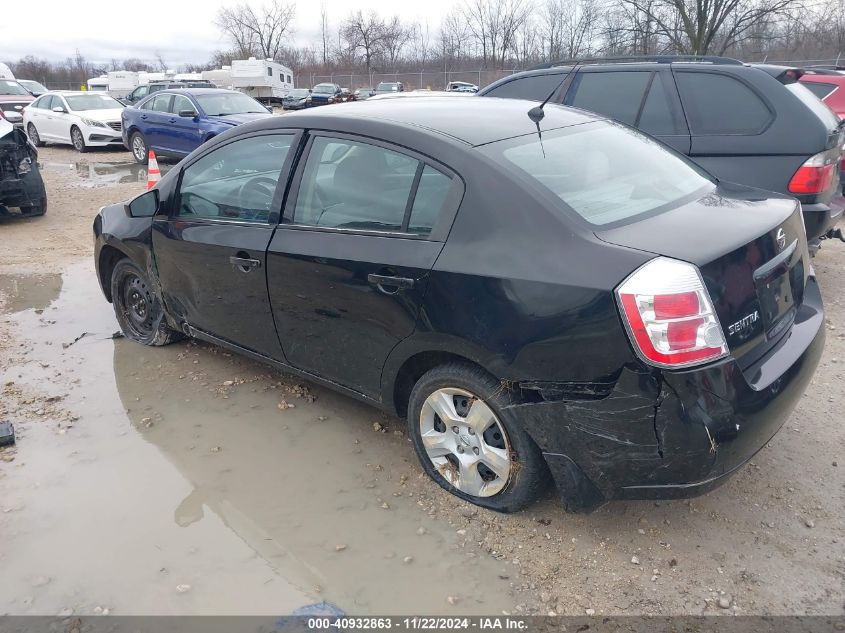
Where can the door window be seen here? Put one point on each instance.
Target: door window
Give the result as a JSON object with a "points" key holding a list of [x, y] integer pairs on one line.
{"points": [[617, 95], [533, 87], [236, 181], [181, 103], [140, 92], [719, 104], [819, 89], [357, 186], [44, 102], [656, 117]]}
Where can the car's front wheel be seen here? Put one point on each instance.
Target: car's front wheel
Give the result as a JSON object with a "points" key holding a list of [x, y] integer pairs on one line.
{"points": [[138, 310], [470, 443], [78, 140], [34, 137], [139, 147]]}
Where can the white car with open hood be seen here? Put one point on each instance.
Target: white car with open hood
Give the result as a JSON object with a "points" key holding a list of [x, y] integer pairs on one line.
{"points": [[81, 119]]}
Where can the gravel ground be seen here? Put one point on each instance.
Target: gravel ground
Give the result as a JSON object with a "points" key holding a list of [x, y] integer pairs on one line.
{"points": [[212, 459]]}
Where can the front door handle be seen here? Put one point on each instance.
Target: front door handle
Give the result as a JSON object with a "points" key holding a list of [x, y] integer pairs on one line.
{"points": [[390, 281], [245, 264]]}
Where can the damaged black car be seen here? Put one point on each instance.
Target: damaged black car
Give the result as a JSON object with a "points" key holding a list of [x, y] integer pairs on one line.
{"points": [[22, 191], [553, 299]]}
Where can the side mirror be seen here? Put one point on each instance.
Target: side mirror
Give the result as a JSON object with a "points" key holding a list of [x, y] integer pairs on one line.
{"points": [[59, 109], [143, 206], [187, 114]]}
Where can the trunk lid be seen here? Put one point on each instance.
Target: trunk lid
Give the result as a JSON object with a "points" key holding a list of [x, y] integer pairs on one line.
{"points": [[751, 249]]}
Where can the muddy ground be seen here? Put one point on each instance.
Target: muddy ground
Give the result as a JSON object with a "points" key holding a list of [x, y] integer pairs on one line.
{"points": [[188, 480]]}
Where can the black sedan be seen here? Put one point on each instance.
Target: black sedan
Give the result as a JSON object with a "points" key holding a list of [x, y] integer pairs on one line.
{"points": [[297, 99], [563, 301]]}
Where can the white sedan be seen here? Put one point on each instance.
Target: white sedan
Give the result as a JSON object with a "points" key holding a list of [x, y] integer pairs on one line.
{"points": [[81, 119]]}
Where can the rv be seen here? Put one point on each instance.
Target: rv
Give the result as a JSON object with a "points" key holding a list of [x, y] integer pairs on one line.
{"points": [[222, 77], [262, 79], [98, 84], [5, 72], [122, 82]]}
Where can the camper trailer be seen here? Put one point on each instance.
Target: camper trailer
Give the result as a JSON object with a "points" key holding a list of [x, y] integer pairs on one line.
{"points": [[262, 79], [99, 84], [222, 77], [5, 72], [122, 82]]}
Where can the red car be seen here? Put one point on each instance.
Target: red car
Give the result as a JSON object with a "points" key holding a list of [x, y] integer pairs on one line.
{"points": [[827, 85]]}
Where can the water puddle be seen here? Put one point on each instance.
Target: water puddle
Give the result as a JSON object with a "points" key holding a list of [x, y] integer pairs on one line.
{"points": [[154, 469], [95, 174]]}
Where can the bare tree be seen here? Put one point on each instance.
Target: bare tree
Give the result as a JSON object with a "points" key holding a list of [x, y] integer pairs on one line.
{"points": [[701, 27], [394, 39], [364, 34], [262, 32], [494, 24], [324, 34]]}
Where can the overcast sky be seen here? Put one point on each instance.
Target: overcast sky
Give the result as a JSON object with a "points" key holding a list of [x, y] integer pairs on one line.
{"points": [[182, 30]]}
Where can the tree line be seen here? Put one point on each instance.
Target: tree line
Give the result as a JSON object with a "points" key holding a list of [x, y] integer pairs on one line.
{"points": [[503, 34]]}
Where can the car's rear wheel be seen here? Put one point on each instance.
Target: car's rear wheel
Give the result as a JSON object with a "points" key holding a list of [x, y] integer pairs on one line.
{"points": [[34, 136], [138, 310], [470, 443], [139, 147], [78, 140]]}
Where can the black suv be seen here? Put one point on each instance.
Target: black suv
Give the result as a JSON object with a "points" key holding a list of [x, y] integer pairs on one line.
{"points": [[750, 124]]}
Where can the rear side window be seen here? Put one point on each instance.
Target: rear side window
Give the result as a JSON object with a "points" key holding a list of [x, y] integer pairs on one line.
{"points": [[819, 89], [357, 186], [719, 104], [617, 95], [159, 103], [603, 171], [817, 107], [656, 117], [181, 103], [533, 87]]}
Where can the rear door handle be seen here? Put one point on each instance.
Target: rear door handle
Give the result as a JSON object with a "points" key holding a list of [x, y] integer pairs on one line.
{"points": [[244, 264], [388, 280]]}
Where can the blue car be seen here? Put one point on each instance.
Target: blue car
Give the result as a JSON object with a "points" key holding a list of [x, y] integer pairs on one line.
{"points": [[176, 122]]}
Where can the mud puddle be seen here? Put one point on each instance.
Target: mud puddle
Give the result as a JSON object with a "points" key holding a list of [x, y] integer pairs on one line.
{"points": [[97, 174], [185, 479]]}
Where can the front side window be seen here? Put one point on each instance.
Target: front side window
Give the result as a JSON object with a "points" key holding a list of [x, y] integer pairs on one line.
{"points": [[43, 102], [236, 181], [604, 172], [139, 92], [719, 104], [617, 95], [357, 186]]}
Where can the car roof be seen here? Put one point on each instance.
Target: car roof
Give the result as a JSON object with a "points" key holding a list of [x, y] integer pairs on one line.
{"points": [[472, 120], [195, 91], [824, 78]]}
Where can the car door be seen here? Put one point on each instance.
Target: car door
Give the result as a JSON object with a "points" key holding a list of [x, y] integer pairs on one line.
{"points": [[155, 112], [645, 99], [350, 263], [61, 122], [40, 115], [210, 248], [183, 133]]}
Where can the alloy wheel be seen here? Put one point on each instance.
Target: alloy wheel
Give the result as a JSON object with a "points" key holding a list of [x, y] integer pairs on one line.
{"points": [[466, 442], [139, 149], [76, 138], [33, 135]]}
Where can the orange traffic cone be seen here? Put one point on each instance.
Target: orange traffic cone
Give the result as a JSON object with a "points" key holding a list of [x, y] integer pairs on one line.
{"points": [[153, 174]]}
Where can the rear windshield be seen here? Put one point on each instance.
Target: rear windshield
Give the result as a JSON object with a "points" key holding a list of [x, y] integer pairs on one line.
{"points": [[814, 103], [821, 90], [8, 87], [605, 172]]}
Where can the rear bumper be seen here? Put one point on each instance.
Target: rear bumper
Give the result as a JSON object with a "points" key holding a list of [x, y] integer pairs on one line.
{"points": [[820, 218], [676, 434]]}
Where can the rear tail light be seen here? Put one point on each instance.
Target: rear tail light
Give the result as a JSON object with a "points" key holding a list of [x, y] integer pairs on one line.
{"points": [[669, 315], [814, 176]]}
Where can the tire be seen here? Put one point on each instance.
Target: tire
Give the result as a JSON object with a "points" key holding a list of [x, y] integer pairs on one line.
{"points": [[34, 137], [77, 140], [138, 147], [461, 461], [39, 209], [139, 312]]}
